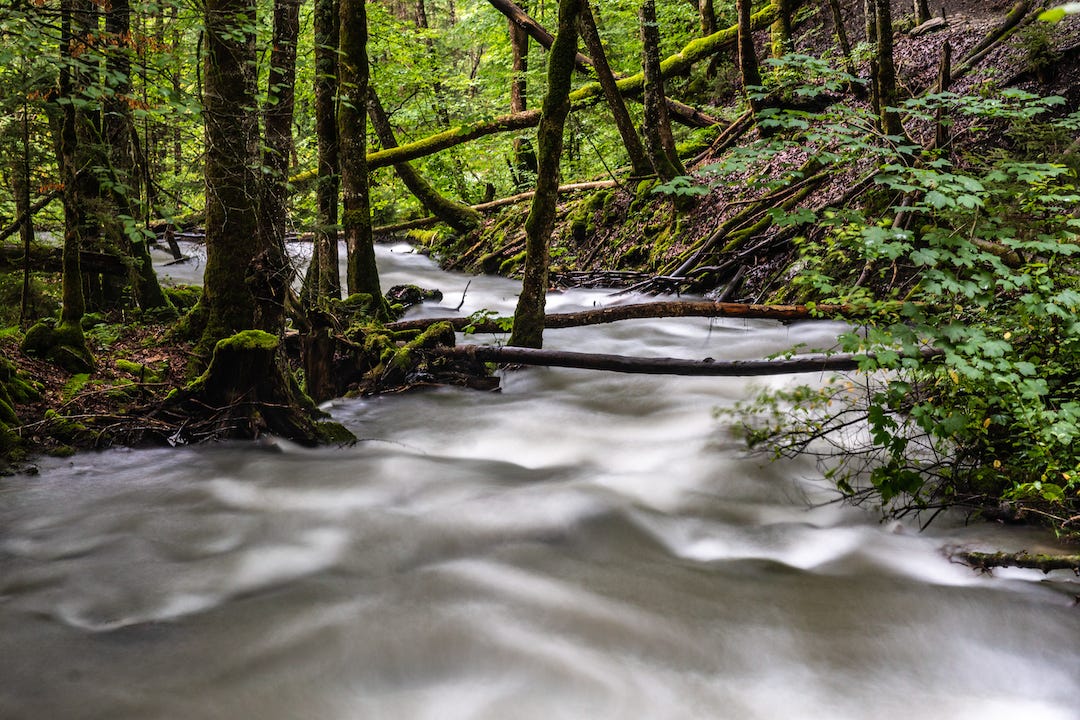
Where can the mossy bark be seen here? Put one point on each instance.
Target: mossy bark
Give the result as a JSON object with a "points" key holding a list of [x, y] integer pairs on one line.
{"points": [[354, 78], [458, 216], [529, 316], [748, 62], [677, 64], [327, 278], [232, 186], [659, 141], [886, 70], [249, 393]]}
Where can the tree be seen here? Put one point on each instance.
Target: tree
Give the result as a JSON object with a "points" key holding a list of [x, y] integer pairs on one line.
{"points": [[886, 71], [748, 63], [324, 265], [529, 316], [635, 150], [659, 141], [354, 77]]}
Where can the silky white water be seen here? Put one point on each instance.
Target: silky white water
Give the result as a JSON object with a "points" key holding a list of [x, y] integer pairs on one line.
{"points": [[578, 545]]}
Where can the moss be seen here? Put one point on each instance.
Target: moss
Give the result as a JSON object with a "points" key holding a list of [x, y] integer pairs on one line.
{"points": [[66, 430], [248, 340], [62, 344], [332, 433], [184, 297], [144, 373], [511, 264]]}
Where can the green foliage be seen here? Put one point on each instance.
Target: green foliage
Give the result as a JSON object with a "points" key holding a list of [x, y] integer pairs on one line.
{"points": [[969, 391]]}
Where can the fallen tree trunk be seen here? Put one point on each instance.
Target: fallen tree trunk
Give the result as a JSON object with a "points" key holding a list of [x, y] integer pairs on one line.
{"points": [[677, 64], [992, 39], [616, 313], [1046, 563], [493, 205], [650, 366]]}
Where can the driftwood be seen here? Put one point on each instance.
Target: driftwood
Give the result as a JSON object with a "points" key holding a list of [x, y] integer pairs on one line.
{"points": [[650, 366], [985, 561], [615, 313]]}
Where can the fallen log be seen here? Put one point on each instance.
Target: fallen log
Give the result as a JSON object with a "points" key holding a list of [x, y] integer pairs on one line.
{"points": [[650, 366], [638, 311], [493, 205], [985, 561], [677, 64]]}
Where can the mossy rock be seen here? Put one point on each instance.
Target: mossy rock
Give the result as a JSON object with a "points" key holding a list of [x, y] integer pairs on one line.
{"points": [[183, 297], [61, 344], [67, 430]]}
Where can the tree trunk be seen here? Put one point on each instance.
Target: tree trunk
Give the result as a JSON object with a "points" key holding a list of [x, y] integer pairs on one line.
{"points": [[708, 17], [529, 316], [659, 141], [524, 168], [117, 126], [922, 11], [535, 30], [841, 36], [781, 29], [635, 150], [274, 269], [886, 70], [21, 186], [327, 278], [232, 158], [748, 63], [354, 78], [460, 217]]}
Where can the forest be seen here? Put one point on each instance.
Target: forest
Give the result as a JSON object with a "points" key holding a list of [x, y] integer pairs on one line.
{"points": [[908, 170]]}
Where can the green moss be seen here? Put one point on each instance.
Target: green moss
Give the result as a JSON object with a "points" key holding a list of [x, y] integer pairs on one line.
{"points": [[74, 385], [248, 340], [65, 429], [332, 433], [144, 373], [184, 297], [511, 264]]}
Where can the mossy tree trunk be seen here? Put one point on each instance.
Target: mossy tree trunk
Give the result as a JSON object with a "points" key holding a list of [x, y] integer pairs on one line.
{"points": [[327, 278], [748, 62], [635, 149], [354, 77], [232, 158], [524, 169], [781, 29], [529, 316], [273, 270], [74, 34], [659, 142], [886, 70], [117, 128], [458, 216], [708, 17]]}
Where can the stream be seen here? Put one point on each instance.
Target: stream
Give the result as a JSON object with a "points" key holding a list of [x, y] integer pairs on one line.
{"points": [[578, 545]]}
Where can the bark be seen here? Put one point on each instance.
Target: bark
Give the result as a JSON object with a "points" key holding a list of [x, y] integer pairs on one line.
{"points": [[536, 31], [21, 177], [354, 77], [20, 220], [458, 216], [995, 36], [327, 278], [748, 63], [708, 17], [656, 125], [232, 157], [985, 561], [941, 129], [117, 127], [617, 313], [841, 36], [922, 11], [781, 29], [524, 157], [529, 316], [274, 273], [651, 366], [635, 150], [886, 71]]}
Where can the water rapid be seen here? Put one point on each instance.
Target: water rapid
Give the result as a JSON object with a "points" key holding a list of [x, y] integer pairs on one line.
{"points": [[578, 545]]}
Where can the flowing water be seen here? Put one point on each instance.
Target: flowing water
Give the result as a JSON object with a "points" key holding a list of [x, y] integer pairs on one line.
{"points": [[578, 545]]}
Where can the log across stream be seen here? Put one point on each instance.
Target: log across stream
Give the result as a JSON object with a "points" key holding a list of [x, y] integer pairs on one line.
{"points": [[578, 545]]}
